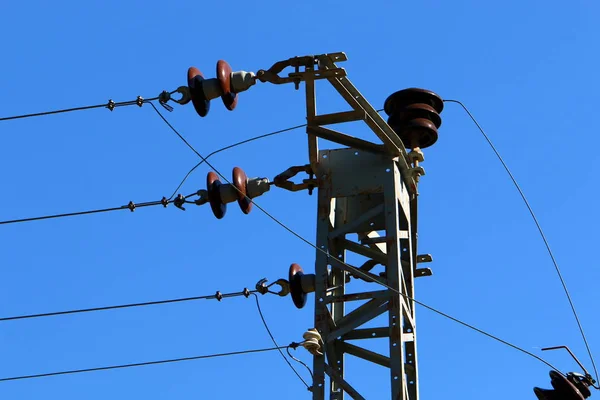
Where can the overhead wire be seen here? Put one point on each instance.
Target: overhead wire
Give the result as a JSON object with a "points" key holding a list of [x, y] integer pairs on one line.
{"points": [[142, 364], [352, 268], [216, 296], [262, 317], [97, 211], [301, 362], [158, 202], [539, 228], [110, 105], [361, 273], [229, 147]]}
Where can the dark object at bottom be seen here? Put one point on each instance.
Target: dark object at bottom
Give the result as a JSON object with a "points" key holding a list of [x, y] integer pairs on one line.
{"points": [[569, 388]]}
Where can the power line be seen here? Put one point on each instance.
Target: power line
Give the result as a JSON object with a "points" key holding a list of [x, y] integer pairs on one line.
{"points": [[262, 317], [131, 206], [216, 296], [142, 364], [151, 203], [110, 105], [174, 130], [539, 228], [300, 362], [229, 147], [365, 275]]}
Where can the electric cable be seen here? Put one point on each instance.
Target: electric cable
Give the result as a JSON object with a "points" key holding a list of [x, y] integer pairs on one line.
{"points": [[141, 364], [301, 362], [539, 228], [217, 296], [110, 105], [158, 202], [130, 206], [175, 130], [364, 275], [229, 147], [262, 317], [353, 269]]}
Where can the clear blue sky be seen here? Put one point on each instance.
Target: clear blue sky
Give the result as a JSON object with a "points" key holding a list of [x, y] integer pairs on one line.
{"points": [[527, 70]]}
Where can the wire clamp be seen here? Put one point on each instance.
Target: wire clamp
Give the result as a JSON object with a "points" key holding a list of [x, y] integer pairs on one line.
{"points": [[139, 101], [164, 201], [202, 197], [263, 288], [283, 180], [219, 296], [179, 201], [111, 105], [131, 206]]}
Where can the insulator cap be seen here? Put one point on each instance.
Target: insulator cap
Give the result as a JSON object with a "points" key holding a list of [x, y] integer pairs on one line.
{"points": [[295, 278], [240, 181], [219, 208], [224, 77], [199, 100]]}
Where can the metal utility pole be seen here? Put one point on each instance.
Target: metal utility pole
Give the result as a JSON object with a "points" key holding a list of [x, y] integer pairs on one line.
{"points": [[367, 209]]}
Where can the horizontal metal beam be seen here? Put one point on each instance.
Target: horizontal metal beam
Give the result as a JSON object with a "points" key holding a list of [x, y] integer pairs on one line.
{"points": [[355, 223], [357, 317], [337, 118], [359, 296], [364, 251], [365, 354], [335, 263], [346, 140], [367, 333]]}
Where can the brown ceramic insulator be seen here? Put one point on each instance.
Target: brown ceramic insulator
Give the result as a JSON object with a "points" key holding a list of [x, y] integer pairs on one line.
{"points": [[194, 79], [414, 116], [224, 77], [405, 97], [295, 279], [213, 185], [563, 389], [419, 110], [418, 132], [240, 181]]}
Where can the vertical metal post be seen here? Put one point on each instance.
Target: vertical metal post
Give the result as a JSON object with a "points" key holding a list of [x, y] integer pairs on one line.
{"points": [[364, 210]]}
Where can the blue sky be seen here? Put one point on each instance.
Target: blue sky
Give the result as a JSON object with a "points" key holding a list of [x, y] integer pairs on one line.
{"points": [[527, 70]]}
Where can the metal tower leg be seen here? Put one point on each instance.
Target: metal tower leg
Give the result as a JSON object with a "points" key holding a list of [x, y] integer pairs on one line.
{"points": [[362, 196]]}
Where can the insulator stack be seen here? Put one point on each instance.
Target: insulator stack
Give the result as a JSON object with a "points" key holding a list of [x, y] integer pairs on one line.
{"points": [[226, 85], [242, 189], [414, 114]]}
